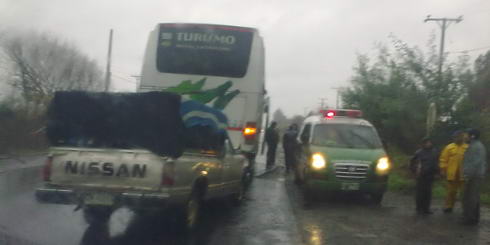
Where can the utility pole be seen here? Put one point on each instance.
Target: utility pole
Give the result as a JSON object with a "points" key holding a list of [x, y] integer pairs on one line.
{"points": [[337, 89], [444, 23], [322, 103], [108, 67]]}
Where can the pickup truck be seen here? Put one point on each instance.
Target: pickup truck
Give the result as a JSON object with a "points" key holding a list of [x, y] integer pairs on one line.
{"points": [[101, 179]]}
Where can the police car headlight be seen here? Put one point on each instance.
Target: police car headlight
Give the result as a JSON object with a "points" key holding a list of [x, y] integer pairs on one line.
{"points": [[383, 165], [318, 161]]}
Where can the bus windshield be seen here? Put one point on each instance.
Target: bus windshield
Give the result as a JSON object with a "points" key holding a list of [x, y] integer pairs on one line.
{"points": [[346, 136], [204, 50]]}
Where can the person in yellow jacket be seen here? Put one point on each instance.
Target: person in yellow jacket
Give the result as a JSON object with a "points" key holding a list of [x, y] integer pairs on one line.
{"points": [[450, 165]]}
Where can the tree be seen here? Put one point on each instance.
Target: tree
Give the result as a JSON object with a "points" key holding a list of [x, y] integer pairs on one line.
{"points": [[298, 120], [474, 110], [36, 65], [395, 90], [390, 100], [40, 64], [280, 118], [445, 91], [479, 90]]}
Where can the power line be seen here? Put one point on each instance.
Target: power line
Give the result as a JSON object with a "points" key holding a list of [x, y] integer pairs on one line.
{"points": [[123, 78], [470, 50], [322, 103], [121, 73], [337, 91]]}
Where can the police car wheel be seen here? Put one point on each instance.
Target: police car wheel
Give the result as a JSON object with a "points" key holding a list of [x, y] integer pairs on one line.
{"points": [[97, 215], [308, 194], [377, 198]]}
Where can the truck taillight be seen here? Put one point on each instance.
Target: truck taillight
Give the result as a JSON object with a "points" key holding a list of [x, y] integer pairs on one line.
{"points": [[47, 168], [250, 131], [168, 174]]}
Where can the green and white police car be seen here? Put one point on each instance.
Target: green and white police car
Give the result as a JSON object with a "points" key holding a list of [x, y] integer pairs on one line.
{"points": [[341, 152]]}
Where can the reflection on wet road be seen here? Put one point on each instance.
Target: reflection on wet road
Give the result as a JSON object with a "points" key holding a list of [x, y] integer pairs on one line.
{"points": [[273, 213], [264, 218], [354, 219]]}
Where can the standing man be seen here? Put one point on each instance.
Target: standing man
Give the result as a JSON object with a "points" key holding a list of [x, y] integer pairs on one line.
{"points": [[424, 164], [290, 146], [474, 168], [272, 139], [450, 164]]}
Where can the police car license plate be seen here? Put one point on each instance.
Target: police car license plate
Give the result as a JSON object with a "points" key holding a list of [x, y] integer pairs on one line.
{"points": [[99, 199], [350, 186]]}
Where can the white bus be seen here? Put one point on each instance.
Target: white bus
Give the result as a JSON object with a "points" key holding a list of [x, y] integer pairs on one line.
{"points": [[222, 66]]}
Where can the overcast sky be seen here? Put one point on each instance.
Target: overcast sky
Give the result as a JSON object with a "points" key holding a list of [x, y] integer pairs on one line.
{"points": [[311, 46]]}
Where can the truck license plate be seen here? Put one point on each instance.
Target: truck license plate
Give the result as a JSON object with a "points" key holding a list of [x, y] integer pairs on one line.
{"points": [[350, 186], [99, 199]]}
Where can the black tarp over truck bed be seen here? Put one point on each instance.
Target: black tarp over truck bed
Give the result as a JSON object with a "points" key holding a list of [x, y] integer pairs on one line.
{"points": [[117, 120]]}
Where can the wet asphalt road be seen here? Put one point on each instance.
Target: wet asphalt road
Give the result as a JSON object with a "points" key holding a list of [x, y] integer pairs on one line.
{"points": [[354, 219], [273, 213], [265, 217]]}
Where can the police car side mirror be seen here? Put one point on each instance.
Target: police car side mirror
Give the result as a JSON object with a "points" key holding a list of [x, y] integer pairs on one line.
{"points": [[304, 140]]}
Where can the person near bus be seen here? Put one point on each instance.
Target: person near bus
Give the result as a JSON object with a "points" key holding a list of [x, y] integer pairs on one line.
{"points": [[424, 164], [474, 168], [271, 139], [290, 146], [450, 164]]}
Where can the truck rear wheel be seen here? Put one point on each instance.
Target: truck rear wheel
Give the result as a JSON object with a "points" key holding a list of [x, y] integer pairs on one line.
{"points": [[237, 198], [248, 176], [188, 215], [97, 214]]}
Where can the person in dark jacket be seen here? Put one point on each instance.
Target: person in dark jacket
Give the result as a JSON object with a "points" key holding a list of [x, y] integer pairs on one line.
{"points": [[272, 139], [290, 146], [424, 164], [474, 169]]}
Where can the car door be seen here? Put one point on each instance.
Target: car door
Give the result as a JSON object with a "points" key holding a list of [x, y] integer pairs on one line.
{"points": [[233, 164]]}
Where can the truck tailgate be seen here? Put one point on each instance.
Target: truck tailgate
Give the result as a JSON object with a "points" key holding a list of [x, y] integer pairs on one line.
{"points": [[106, 169]]}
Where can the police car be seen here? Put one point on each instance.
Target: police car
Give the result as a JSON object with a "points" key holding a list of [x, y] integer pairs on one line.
{"points": [[341, 152]]}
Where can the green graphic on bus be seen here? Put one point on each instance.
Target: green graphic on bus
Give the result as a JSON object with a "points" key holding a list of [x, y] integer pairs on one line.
{"points": [[220, 96]]}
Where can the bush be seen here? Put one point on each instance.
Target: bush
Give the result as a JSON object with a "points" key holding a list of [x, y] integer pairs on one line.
{"points": [[20, 130], [402, 181]]}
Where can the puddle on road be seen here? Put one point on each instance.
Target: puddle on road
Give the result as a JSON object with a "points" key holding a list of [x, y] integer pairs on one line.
{"points": [[315, 235], [16, 181], [119, 221]]}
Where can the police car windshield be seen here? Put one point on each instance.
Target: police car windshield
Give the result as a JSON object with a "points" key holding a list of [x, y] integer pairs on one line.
{"points": [[346, 136]]}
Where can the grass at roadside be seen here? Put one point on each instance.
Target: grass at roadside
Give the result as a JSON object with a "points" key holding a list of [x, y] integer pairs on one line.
{"points": [[402, 181]]}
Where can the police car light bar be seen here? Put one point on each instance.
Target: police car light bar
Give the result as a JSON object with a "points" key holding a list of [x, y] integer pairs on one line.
{"points": [[341, 113]]}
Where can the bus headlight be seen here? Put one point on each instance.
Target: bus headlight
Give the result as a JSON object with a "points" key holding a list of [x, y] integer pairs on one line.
{"points": [[383, 165], [318, 161]]}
